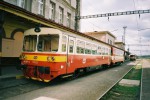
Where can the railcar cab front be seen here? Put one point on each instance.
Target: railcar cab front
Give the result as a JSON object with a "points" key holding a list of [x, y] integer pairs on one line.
{"points": [[41, 59]]}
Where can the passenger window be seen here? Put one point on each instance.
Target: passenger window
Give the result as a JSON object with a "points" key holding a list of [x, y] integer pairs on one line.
{"points": [[106, 51], [94, 49], [71, 46], [64, 41], [88, 48], [103, 51], [80, 47], [109, 51], [99, 50]]}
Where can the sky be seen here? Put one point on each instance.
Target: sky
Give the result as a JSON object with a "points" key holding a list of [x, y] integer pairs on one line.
{"points": [[138, 28]]}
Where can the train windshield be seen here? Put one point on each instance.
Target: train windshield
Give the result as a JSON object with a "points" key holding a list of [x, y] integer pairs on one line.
{"points": [[30, 42], [48, 43]]}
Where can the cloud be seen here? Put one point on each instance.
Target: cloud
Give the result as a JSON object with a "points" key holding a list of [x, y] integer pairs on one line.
{"points": [[115, 24]]}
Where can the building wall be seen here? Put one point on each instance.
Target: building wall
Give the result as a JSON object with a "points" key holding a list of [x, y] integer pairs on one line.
{"points": [[120, 45], [97, 36], [69, 6], [13, 38], [12, 47], [110, 39], [103, 36]]}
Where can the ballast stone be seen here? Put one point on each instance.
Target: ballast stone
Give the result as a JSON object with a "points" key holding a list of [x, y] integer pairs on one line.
{"points": [[128, 82]]}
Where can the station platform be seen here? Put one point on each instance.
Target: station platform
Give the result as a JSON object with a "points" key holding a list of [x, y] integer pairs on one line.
{"points": [[9, 76], [145, 82], [9, 72]]}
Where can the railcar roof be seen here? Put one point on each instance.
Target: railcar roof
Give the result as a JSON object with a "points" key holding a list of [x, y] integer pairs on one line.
{"points": [[56, 31]]}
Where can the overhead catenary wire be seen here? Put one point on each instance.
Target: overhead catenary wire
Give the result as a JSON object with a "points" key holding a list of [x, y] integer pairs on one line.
{"points": [[93, 24], [97, 9]]}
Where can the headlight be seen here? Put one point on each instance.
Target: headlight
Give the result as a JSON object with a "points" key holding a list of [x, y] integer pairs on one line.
{"points": [[22, 57]]}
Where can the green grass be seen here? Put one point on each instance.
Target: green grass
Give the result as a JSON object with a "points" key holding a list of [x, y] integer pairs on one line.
{"points": [[123, 92], [135, 73]]}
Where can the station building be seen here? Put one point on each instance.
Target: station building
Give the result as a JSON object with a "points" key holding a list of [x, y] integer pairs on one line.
{"points": [[18, 15], [104, 36], [59, 11], [120, 45]]}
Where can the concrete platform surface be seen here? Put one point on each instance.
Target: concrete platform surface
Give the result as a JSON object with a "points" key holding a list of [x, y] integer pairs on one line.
{"points": [[127, 82], [145, 87], [11, 82], [10, 77]]}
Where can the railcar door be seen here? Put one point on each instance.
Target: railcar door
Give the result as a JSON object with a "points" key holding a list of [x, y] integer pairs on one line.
{"points": [[71, 54]]}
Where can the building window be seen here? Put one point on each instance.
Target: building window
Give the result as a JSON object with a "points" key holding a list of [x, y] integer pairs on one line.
{"points": [[41, 7], [52, 11], [61, 14], [21, 3], [68, 19]]}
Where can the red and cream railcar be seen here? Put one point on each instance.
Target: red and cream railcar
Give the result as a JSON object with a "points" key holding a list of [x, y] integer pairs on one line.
{"points": [[49, 53]]}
